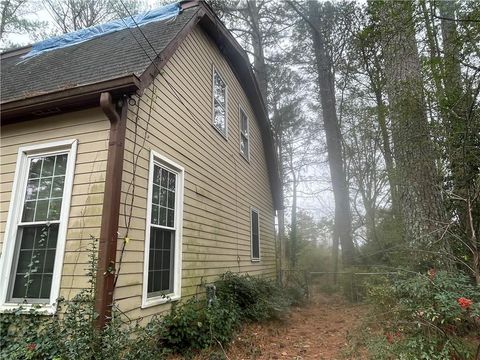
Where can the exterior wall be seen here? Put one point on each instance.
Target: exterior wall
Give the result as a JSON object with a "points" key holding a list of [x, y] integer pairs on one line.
{"points": [[220, 185], [91, 129]]}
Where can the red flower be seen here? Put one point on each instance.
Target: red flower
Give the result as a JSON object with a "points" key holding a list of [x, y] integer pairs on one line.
{"points": [[465, 303], [431, 273], [31, 347]]}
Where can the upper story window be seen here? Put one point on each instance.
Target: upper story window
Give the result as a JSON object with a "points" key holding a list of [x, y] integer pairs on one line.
{"points": [[219, 103], [162, 273], [244, 135], [37, 223], [255, 234]]}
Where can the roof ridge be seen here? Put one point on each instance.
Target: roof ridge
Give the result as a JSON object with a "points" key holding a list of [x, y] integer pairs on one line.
{"points": [[15, 51]]}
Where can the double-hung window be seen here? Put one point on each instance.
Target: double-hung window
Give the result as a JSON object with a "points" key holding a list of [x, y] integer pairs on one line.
{"points": [[255, 234], [37, 224], [244, 135], [219, 103], [162, 270]]}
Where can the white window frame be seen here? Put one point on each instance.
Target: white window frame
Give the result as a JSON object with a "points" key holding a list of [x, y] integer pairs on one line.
{"points": [[14, 218], [240, 110], [215, 70], [156, 158], [254, 259]]}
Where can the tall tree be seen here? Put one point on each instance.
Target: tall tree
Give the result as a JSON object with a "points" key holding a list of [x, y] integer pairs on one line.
{"points": [[420, 185], [326, 85], [14, 21]]}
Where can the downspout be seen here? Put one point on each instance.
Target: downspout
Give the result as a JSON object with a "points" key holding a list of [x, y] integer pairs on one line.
{"points": [[107, 250]]}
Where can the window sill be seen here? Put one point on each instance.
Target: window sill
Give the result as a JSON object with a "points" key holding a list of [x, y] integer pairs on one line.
{"points": [[246, 158], [41, 309], [255, 260], [159, 300], [224, 135]]}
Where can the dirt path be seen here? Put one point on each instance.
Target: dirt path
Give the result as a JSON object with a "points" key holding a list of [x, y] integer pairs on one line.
{"points": [[317, 331]]}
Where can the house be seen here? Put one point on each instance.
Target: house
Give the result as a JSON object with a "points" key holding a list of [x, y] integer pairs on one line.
{"points": [[152, 138]]}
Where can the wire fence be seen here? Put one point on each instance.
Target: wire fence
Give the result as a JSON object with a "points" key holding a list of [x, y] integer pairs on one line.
{"points": [[352, 284]]}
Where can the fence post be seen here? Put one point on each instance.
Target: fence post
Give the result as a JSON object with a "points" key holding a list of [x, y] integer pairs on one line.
{"points": [[352, 278]]}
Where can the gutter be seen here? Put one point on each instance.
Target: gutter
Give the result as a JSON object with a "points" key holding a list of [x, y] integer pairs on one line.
{"points": [[107, 250], [62, 100]]}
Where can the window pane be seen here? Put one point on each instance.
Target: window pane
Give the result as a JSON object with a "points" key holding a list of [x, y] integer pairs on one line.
{"points": [[164, 178], [42, 209], [171, 200], [28, 211], [244, 146], [54, 209], [243, 123], [160, 267], [163, 216], [155, 211], [255, 236], [36, 260], [163, 197], [58, 183], [48, 164], [219, 117], [45, 188], [219, 89], [35, 168], [156, 194], [46, 286], [170, 218], [32, 189], [61, 164], [172, 178], [157, 172]]}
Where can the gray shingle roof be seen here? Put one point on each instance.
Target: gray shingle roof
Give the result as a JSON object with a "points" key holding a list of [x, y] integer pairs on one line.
{"points": [[103, 58]]}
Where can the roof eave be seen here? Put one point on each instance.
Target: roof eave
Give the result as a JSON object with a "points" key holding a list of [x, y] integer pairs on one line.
{"points": [[65, 99]]}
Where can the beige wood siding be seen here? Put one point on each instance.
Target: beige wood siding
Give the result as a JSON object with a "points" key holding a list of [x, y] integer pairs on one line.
{"points": [[91, 129], [220, 185]]}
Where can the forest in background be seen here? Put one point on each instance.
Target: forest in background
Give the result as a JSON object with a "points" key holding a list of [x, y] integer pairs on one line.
{"points": [[375, 110], [384, 94]]}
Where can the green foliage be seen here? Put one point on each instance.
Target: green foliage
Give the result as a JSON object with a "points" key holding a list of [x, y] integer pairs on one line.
{"points": [[257, 299], [28, 334], [195, 326], [425, 316]]}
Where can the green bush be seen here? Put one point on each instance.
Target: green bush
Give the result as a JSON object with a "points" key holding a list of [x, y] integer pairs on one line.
{"points": [[74, 335], [257, 299], [195, 325], [189, 327], [427, 317]]}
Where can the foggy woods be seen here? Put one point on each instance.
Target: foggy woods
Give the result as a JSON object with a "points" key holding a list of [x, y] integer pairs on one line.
{"points": [[391, 89]]}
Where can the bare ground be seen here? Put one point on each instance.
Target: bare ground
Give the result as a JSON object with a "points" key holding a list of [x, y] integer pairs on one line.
{"points": [[316, 331]]}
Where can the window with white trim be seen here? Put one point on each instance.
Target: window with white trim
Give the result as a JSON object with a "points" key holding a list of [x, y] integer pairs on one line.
{"points": [[255, 234], [37, 223], [244, 135], [164, 222], [219, 103]]}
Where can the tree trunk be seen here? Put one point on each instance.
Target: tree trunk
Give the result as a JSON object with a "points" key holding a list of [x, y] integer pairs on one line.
{"points": [[387, 151], [259, 64], [293, 230], [419, 183], [343, 220], [462, 135]]}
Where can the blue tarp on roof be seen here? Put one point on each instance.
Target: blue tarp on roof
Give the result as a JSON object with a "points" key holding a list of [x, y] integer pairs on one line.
{"points": [[62, 41]]}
